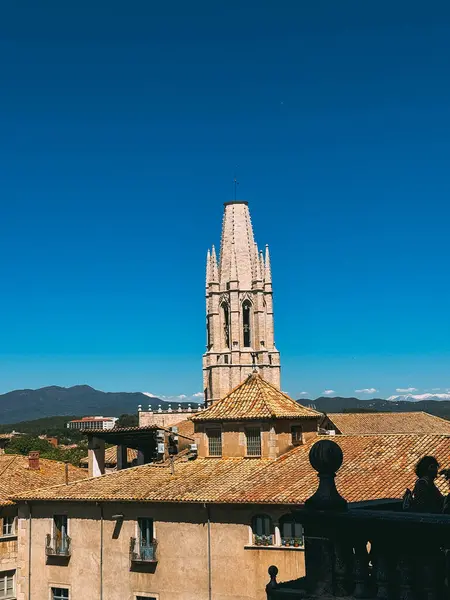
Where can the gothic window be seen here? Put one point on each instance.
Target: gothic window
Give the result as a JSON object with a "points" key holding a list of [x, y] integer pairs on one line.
{"points": [[263, 530], [291, 532], [246, 322], [226, 325], [208, 334]]}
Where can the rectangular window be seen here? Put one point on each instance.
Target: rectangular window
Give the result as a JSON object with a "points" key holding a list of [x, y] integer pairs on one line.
{"points": [[60, 593], [7, 584], [8, 526], [215, 442], [297, 435], [60, 534], [146, 598], [146, 544], [253, 436]]}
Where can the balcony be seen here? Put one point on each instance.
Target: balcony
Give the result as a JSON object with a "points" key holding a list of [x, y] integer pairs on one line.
{"points": [[143, 553], [353, 552], [57, 547]]}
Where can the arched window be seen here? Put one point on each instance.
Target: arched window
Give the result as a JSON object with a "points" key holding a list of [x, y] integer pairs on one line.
{"points": [[226, 324], [246, 323], [263, 530], [291, 532]]}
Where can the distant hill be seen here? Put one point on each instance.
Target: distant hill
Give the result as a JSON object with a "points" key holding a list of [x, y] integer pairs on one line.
{"points": [[440, 408], [84, 400]]}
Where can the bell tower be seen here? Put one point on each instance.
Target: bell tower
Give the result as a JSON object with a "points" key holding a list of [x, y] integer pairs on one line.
{"points": [[239, 309]]}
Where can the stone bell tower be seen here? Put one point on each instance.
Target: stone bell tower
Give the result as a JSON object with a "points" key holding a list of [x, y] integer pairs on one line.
{"points": [[239, 309]]}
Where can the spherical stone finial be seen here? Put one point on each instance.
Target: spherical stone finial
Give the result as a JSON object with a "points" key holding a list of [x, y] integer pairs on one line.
{"points": [[273, 570], [326, 457]]}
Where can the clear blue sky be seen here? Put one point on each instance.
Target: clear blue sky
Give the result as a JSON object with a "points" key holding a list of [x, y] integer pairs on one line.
{"points": [[120, 128]]}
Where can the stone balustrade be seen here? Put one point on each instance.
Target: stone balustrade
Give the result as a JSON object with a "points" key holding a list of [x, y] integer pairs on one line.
{"points": [[365, 553]]}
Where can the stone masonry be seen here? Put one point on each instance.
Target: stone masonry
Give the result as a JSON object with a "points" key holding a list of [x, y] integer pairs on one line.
{"points": [[239, 309]]}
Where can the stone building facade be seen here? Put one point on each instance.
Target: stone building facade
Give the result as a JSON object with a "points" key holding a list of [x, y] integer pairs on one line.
{"points": [[239, 308]]}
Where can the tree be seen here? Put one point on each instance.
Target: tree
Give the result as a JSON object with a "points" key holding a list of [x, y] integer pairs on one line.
{"points": [[126, 420]]}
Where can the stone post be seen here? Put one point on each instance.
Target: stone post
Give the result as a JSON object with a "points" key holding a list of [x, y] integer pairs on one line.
{"points": [[326, 566], [96, 456]]}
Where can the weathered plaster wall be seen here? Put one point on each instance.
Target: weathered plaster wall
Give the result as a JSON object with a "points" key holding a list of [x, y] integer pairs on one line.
{"points": [[238, 572]]}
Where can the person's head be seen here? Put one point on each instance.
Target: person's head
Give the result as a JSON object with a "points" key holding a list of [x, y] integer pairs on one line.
{"points": [[427, 466]]}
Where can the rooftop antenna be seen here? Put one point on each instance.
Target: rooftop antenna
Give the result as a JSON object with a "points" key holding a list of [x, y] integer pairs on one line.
{"points": [[235, 184]]}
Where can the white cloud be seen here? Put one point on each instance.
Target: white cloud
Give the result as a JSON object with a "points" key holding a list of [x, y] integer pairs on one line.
{"points": [[417, 397], [180, 398], [304, 394], [409, 390], [328, 392], [366, 391]]}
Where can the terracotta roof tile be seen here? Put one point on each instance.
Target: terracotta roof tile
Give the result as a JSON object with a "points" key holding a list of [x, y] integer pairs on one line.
{"points": [[111, 456], [408, 422], [16, 477], [375, 467], [185, 428], [254, 398]]}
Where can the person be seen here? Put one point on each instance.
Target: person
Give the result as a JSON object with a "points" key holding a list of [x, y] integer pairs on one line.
{"points": [[426, 496]]}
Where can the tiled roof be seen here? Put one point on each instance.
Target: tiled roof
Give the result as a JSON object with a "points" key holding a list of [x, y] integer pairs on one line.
{"points": [[375, 467], [254, 398], [16, 477], [185, 428], [111, 456], [114, 430], [409, 422]]}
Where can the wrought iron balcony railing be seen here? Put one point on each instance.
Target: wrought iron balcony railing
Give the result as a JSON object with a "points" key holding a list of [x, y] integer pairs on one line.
{"points": [[143, 553], [57, 546]]}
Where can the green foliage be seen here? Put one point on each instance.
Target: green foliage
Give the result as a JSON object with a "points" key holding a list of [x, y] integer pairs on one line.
{"points": [[24, 444], [127, 421], [50, 426]]}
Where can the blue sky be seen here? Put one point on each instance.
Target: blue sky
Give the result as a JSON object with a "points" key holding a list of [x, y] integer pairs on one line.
{"points": [[121, 126]]}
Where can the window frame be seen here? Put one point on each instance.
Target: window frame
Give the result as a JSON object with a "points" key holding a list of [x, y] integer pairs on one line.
{"points": [[209, 431], [61, 587], [247, 311], [12, 533], [4, 575], [295, 440], [252, 454], [292, 540], [266, 537]]}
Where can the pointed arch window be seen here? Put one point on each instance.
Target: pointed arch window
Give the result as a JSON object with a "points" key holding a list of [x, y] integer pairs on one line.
{"points": [[226, 324], [246, 323]]}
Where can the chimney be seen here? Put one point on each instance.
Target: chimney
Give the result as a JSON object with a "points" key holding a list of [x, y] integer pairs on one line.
{"points": [[33, 461]]}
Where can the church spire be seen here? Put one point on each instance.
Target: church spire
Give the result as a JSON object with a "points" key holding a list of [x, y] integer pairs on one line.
{"points": [[237, 233], [233, 266], [214, 270], [268, 270], [239, 309], [208, 267]]}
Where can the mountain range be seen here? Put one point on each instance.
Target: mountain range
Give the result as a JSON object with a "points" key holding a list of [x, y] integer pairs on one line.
{"points": [[20, 405], [431, 404], [83, 400]]}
